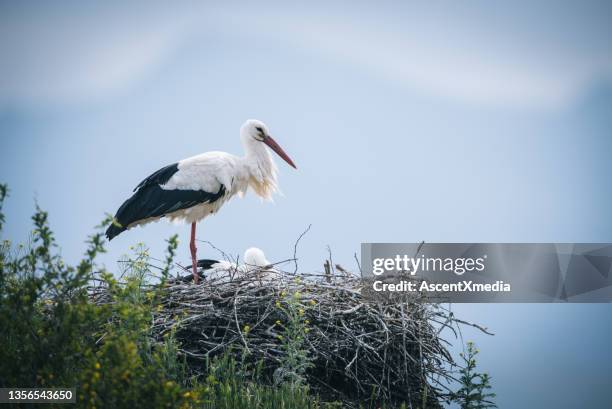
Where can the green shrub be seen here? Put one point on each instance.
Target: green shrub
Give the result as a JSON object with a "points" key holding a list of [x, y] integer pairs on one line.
{"points": [[235, 385], [295, 360], [474, 392], [46, 319]]}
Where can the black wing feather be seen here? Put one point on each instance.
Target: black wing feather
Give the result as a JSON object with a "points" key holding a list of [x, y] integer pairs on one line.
{"points": [[161, 177], [150, 200]]}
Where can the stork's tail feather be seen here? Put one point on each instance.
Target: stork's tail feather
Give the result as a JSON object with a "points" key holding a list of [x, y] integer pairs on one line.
{"points": [[114, 230]]}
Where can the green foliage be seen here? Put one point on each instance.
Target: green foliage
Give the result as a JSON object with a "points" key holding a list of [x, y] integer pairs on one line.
{"points": [[231, 385], [170, 255], [130, 368], [3, 195], [295, 360], [475, 387], [46, 320]]}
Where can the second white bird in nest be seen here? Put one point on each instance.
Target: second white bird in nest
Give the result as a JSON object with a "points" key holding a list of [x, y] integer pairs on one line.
{"points": [[255, 268]]}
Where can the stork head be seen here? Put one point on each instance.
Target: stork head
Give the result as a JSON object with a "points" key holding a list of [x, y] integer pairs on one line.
{"points": [[254, 132], [255, 257]]}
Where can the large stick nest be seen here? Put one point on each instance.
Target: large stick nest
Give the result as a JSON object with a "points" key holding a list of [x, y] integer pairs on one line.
{"points": [[359, 347]]}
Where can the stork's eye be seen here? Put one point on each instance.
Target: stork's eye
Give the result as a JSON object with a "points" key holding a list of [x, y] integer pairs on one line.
{"points": [[259, 129]]}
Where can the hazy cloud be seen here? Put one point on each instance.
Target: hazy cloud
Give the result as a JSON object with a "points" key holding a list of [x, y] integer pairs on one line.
{"points": [[455, 64], [68, 58]]}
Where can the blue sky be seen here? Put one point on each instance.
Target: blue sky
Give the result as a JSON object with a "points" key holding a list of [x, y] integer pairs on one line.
{"points": [[470, 122]]}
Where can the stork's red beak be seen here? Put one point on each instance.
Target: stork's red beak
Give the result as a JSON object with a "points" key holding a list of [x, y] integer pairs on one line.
{"points": [[279, 151]]}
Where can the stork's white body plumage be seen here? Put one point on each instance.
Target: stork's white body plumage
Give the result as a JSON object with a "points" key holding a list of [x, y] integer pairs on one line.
{"points": [[211, 170], [208, 172], [196, 187]]}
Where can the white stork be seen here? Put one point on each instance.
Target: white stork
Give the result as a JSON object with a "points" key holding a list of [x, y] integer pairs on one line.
{"points": [[255, 265], [196, 187]]}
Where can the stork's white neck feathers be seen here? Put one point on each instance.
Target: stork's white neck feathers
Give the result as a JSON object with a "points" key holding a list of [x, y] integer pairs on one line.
{"points": [[259, 166]]}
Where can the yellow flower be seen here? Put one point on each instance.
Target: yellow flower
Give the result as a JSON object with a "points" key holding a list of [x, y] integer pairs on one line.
{"points": [[278, 304], [301, 311], [186, 394], [312, 302], [278, 322], [307, 322], [306, 330], [246, 329], [279, 336], [97, 365]]}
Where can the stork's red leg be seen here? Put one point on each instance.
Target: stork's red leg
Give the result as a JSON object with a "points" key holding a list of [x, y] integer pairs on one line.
{"points": [[194, 259]]}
